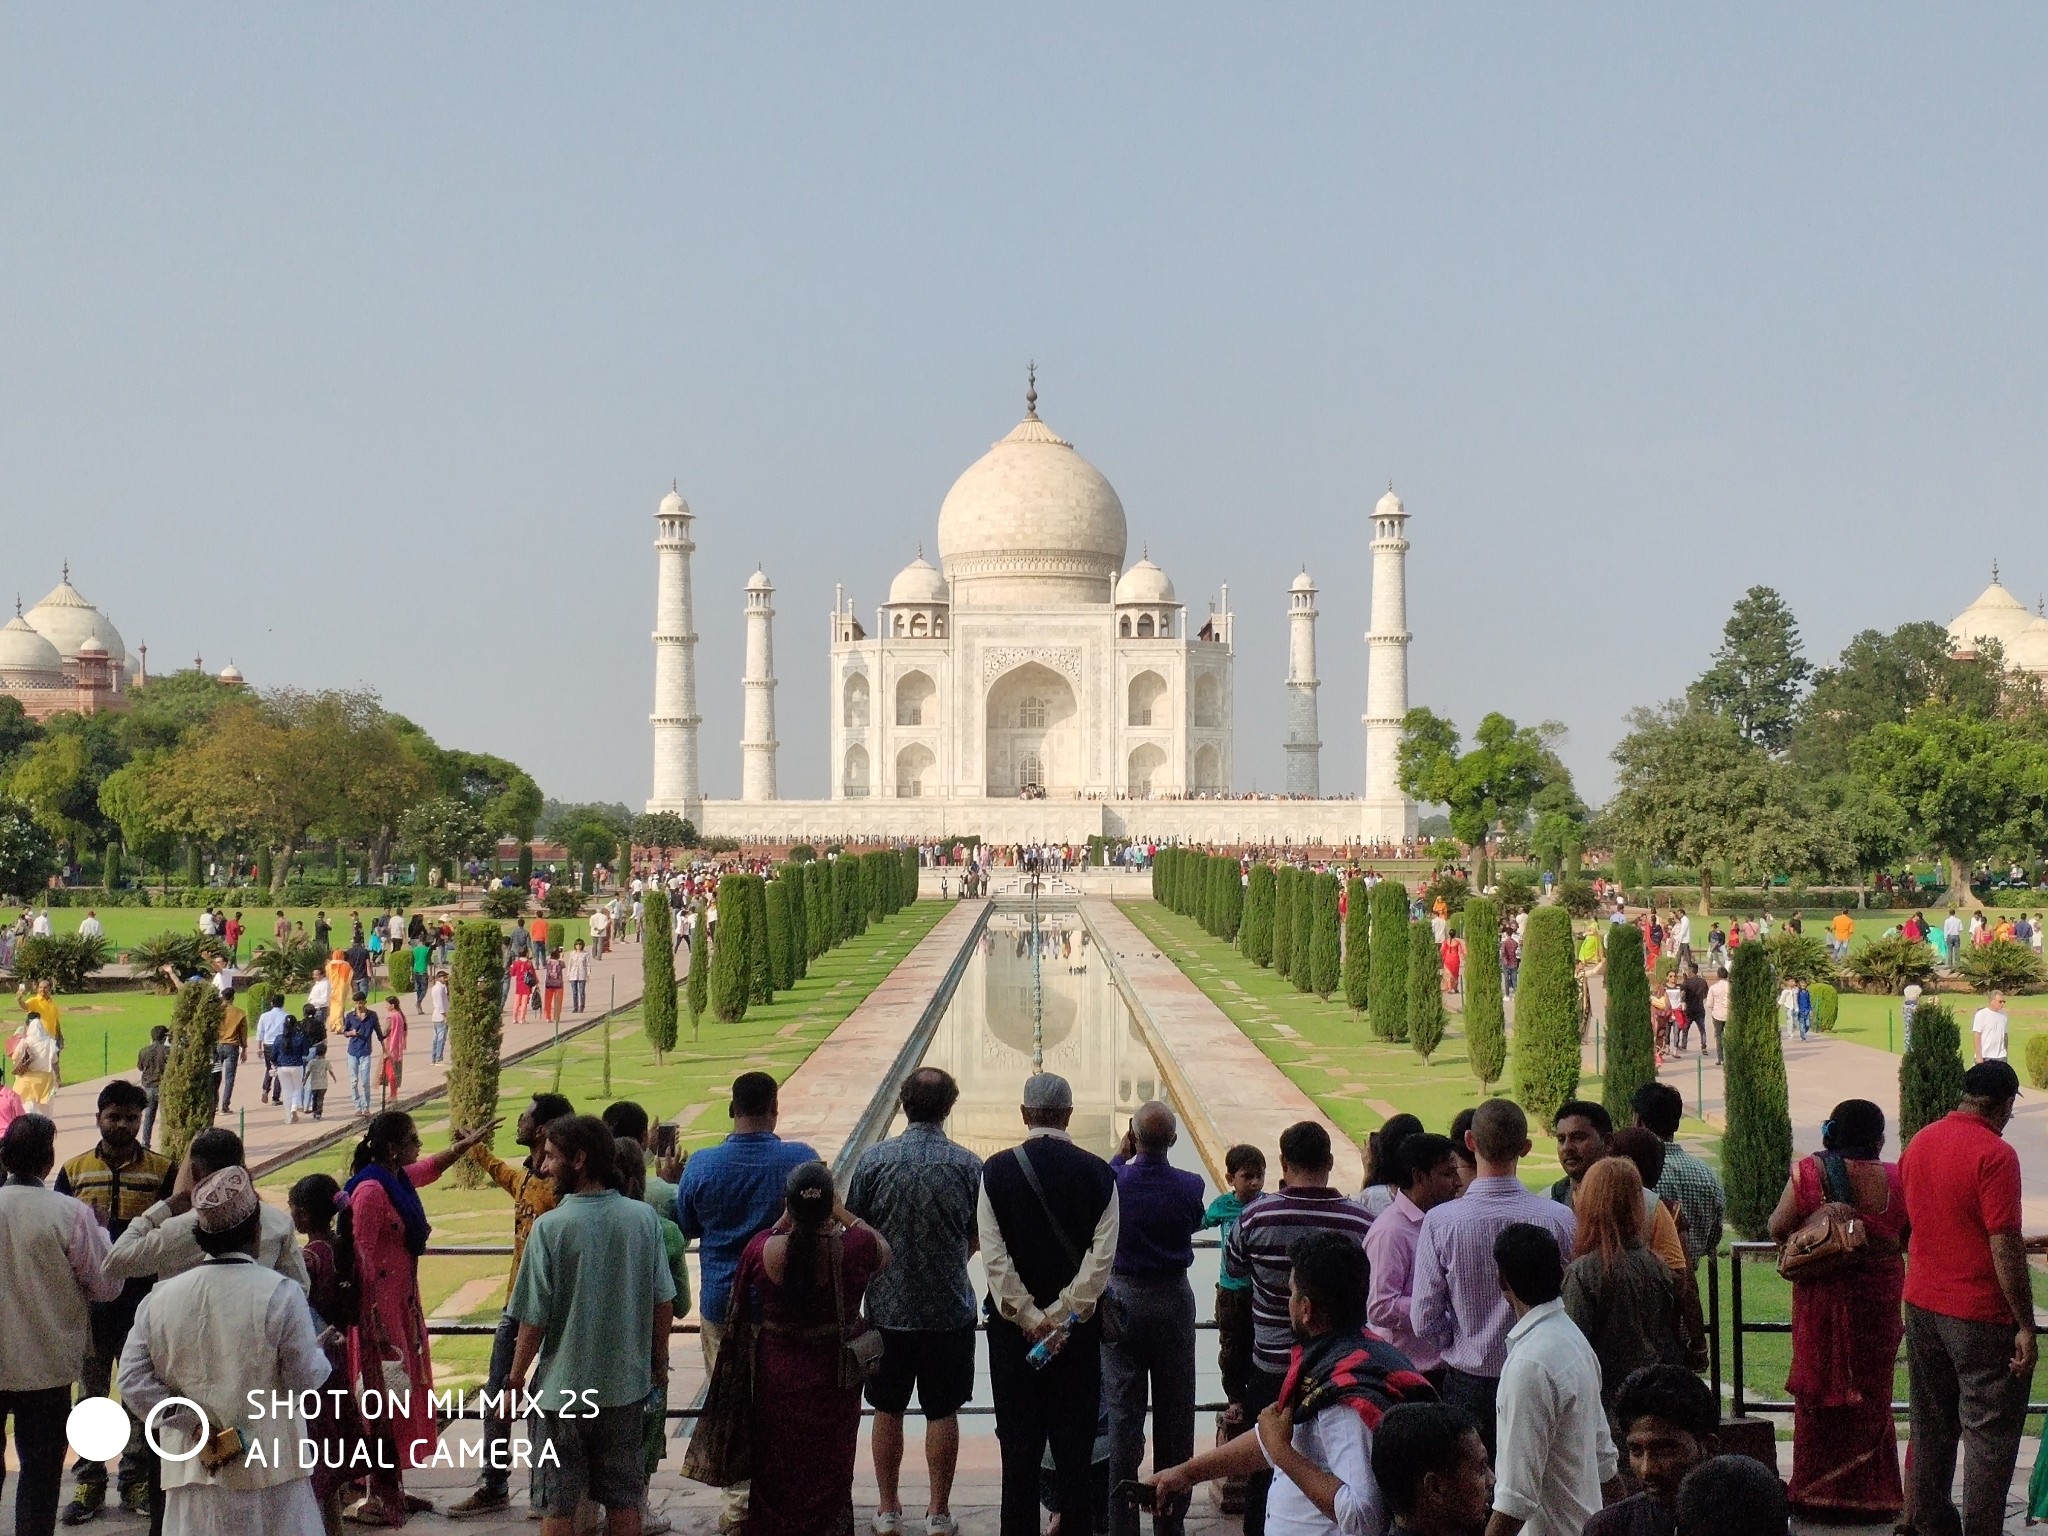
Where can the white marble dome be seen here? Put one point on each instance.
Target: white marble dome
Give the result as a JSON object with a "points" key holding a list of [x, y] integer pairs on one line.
{"points": [[23, 650], [1031, 523], [673, 505], [1302, 583], [758, 582], [1144, 583], [1390, 505], [2028, 650], [1996, 614], [67, 621], [918, 583]]}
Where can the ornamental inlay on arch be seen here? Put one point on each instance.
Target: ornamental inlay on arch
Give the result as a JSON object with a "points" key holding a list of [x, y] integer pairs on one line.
{"points": [[999, 659]]}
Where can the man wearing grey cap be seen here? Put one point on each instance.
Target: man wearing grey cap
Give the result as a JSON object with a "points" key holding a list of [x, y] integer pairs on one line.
{"points": [[1048, 1219]]}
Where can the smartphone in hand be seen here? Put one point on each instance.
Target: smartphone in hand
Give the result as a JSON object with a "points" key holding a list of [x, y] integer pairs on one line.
{"points": [[1138, 1496], [666, 1138]]}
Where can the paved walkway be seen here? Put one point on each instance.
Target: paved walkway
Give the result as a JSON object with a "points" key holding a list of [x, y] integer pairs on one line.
{"points": [[271, 1142]]}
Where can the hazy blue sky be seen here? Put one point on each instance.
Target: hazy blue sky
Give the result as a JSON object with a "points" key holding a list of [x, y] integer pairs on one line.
{"points": [[358, 343]]}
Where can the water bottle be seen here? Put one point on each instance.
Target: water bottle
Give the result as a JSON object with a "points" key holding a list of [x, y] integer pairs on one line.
{"points": [[1043, 1352]]}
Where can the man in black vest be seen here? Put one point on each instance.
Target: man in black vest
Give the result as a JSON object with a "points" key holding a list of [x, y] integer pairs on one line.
{"points": [[1048, 1219]]}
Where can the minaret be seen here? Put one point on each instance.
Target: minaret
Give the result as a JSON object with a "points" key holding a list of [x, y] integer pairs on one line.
{"points": [[1304, 738], [676, 785], [1389, 814], [757, 734]]}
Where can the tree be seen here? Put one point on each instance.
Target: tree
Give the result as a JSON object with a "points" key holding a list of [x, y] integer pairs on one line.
{"points": [[658, 974], [186, 1095], [443, 830], [1967, 787], [732, 977], [797, 937], [780, 975], [1756, 1154], [131, 798], [1882, 679], [1357, 946], [697, 986], [17, 731], [28, 854], [1389, 985], [1425, 991], [1494, 783], [1325, 943], [476, 1033], [589, 843], [817, 908], [1486, 1038], [1302, 928], [1284, 890], [1232, 900], [1631, 1043], [1692, 791], [55, 778], [1547, 1016], [1255, 933], [755, 890], [1758, 671], [1930, 1071]]}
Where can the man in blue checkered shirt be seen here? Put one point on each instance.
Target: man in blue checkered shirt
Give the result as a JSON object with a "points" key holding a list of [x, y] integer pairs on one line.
{"points": [[1697, 1189]]}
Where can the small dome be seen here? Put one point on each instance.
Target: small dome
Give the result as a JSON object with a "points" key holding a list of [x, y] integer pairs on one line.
{"points": [[1996, 615], [1031, 523], [23, 650], [758, 582], [919, 583], [673, 505], [1144, 583], [1302, 583], [1390, 505], [2028, 650], [231, 675], [92, 650], [67, 621]]}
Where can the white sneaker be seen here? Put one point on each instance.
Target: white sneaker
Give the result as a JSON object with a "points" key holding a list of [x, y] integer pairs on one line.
{"points": [[941, 1525], [888, 1522]]}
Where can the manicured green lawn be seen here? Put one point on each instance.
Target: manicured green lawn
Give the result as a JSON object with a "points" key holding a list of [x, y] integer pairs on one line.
{"points": [[694, 1082]]}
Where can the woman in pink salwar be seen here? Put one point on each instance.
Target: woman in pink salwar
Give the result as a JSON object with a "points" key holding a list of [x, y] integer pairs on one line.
{"points": [[384, 1227]]}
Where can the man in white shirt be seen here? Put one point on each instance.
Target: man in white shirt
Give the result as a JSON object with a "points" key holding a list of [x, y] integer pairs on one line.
{"points": [[91, 928], [269, 1030], [41, 926], [164, 1240], [1557, 1465], [1991, 1026]]}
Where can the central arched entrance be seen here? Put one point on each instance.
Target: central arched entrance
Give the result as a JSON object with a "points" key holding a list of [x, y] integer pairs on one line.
{"points": [[1034, 734]]}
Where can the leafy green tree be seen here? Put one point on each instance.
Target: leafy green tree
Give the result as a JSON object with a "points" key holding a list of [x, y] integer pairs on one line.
{"points": [[1486, 1037], [1325, 943], [780, 976], [910, 876], [1425, 991], [1756, 1154], [1882, 679], [589, 843], [1284, 890], [1233, 900], [1546, 1055], [1302, 945], [1966, 787], [1255, 933], [28, 853], [1357, 946], [1758, 671], [1931, 1070], [658, 975], [1692, 791], [476, 1033], [443, 830], [797, 936], [732, 975], [756, 890], [1494, 783], [880, 883], [817, 914], [17, 731], [1389, 986], [186, 1095], [1631, 1042]]}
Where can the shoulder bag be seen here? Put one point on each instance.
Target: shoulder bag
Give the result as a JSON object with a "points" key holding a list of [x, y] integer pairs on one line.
{"points": [[1834, 1237], [860, 1354], [721, 1449]]}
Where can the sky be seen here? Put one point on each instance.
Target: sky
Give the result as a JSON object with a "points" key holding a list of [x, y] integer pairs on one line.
{"points": [[358, 344]]}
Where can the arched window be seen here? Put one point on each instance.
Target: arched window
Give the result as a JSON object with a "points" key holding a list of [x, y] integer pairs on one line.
{"points": [[1166, 626], [856, 712], [901, 626], [913, 763], [1208, 769], [1146, 764], [1206, 705], [1030, 771], [1031, 713], [920, 625], [856, 780], [1144, 626], [917, 700], [1147, 700], [1123, 627], [938, 626]]}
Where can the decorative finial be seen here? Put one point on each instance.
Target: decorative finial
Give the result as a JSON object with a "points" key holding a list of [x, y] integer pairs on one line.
{"points": [[1994, 570], [1145, 551], [17, 605], [676, 486], [67, 573], [1031, 391]]}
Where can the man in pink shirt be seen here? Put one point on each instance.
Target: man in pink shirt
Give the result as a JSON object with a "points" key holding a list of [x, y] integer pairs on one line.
{"points": [[1429, 1177]]}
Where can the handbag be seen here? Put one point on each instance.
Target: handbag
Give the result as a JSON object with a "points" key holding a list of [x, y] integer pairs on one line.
{"points": [[1834, 1237], [721, 1449], [860, 1355]]}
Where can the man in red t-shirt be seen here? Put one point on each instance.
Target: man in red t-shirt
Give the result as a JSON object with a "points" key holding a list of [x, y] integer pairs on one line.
{"points": [[1969, 1309]]}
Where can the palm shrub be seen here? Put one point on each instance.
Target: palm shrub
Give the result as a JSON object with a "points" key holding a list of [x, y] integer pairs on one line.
{"points": [[1888, 965], [505, 901], [1425, 991], [2003, 965], [1827, 1007], [697, 985], [186, 953], [1389, 984], [1357, 946], [779, 973], [1631, 1043], [1325, 967], [1799, 956], [1577, 898], [1486, 1036], [1931, 1071], [186, 1098], [758, 938], [1283, 919], [658, 975], [1547, 1017], [476, 1033], [288, 966], [1255, 933], [1756, 1153], [64, 960], [731, 978]]}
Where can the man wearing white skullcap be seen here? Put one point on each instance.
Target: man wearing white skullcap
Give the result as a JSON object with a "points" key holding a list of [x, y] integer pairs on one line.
{"points": [[217, 1334]]}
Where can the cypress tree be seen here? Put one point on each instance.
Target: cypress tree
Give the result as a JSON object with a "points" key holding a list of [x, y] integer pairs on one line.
{"points": [[1284, 885], [881, 887], [836, 927], [1756, 1153], [1425, 991], [185, 1098], [658, 975], [1357, 946], [817, 919], [1325, 968], [777, 898], [1233, 901], [1547, 1017], [1255, 933], [732, 978], [1931, 1071], [1486, 1036], [1302, 928], [909, 876], [758, 940], [476, 1034], [697, 989], [1389, 981], [857, 875], [1631, 1044]]}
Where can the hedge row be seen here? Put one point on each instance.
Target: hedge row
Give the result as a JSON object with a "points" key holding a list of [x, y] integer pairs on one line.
{"points": [[769, 931]]}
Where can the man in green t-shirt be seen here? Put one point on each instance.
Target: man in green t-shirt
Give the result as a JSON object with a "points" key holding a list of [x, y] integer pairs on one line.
{"points": [[594, 1278]]}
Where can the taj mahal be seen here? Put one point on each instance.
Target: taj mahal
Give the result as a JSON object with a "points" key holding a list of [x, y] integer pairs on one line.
{"points": [[1031, 686]]}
